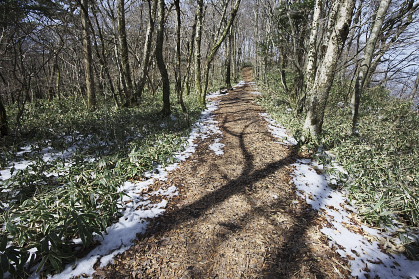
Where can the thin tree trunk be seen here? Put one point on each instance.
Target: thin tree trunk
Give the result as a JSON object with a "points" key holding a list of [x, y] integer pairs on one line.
{"points": [[160, 60], [198, 38], [228, 59], [325, 74], [312, 46], [123, 49], [179, 89], [190, 58], [102, 57], [4, 129], [88, 61], [215, 48], [147, 49], [415, 88], [366, 62]]}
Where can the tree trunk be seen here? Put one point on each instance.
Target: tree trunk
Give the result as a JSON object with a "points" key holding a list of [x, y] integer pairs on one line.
{"points": [[123, 51], [160, 60], [191, 46], [147, 49], [179, 89], [228, 59], [4, 129], [215, 48], [198, 38], [326, 72], [312, 46], [363, 71], [101, 54], [87, 54], [415, 88]]}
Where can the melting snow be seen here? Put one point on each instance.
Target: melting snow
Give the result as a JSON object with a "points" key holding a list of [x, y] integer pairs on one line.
{"points": [[365, 257], [137, 205], [217, 147], [278, 131]]}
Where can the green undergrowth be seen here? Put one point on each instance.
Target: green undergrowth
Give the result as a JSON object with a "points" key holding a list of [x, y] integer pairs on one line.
{"points": [[74, 194], [382, 162]]}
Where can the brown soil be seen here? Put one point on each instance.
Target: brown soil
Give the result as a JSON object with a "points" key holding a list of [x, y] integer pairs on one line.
{"points": [[237, 215]]}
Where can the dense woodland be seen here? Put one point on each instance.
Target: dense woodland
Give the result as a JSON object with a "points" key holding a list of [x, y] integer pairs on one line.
{"points": [[111, 88]]}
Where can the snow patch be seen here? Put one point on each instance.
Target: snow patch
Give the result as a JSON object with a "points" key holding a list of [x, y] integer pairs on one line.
{"points": [[138, 208], [278, 131], [365, 257], [217, 147], [256, 93]]}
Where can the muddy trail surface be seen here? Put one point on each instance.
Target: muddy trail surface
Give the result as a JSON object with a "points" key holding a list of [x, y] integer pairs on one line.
{"points": [[237, 215]]}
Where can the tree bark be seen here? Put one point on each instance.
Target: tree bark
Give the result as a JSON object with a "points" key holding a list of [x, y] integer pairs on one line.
{"points": [[198, 39], [324, 79], [147, 49], [123, 51], [179, 89], [87, 54], [228, 59], [4, 129], [160, 60], [415, 88], [312, 46], [366, 62], [101, 54], [215, 48]]}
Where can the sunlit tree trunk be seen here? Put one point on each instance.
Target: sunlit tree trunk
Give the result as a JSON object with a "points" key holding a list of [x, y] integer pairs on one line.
{"points": [[415, 88], [325, 74], [87, 54], [312, 46], [179, 89], [160, 60], [123, 51], [366, 62], [198, 39], [191, 47], [147, 48], [215, 48], [228, 59], [101, 54]]}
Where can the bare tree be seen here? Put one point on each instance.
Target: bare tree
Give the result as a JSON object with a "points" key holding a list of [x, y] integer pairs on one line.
{"points": [[366, 62], [325, 73], [198, 39], [160, 60], [147, 48], [216, 46], [123, 49], [87, 53]]}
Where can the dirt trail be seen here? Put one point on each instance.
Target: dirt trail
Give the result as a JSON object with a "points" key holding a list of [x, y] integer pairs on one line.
{"points": [[237, 215]]}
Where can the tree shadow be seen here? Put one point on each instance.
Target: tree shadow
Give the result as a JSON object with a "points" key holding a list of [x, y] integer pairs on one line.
{"points": [[290, 253]]}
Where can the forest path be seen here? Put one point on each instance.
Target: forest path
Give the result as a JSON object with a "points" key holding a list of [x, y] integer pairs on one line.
{"points": [[237, 215]]}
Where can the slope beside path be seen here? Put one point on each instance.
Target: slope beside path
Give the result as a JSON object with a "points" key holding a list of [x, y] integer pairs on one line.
{"points": [[237, 215]]}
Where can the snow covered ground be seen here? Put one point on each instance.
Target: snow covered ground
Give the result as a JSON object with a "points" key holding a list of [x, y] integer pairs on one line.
{"points": [[278, 131], [138, 208], [353, 241]]}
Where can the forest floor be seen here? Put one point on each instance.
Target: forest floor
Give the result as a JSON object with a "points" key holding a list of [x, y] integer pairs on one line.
{"points": [[237, 214]]}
